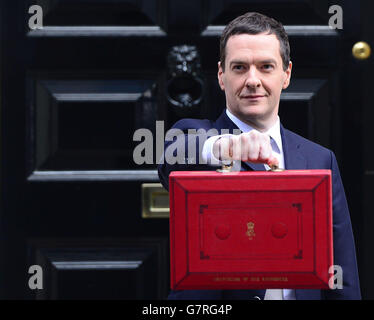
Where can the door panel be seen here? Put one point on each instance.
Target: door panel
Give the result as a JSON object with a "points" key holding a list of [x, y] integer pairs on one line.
{"points": [[104, 269]]}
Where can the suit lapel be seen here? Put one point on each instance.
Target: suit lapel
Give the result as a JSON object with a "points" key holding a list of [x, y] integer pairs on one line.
{"points": [[224, 122], [293, 158]]}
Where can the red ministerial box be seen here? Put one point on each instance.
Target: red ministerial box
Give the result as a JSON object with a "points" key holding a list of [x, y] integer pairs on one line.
{"points": [[250, 230]]}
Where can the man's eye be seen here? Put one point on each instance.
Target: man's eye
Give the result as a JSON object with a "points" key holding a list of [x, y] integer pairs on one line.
{"points": [[238, 67], [268, 66]]}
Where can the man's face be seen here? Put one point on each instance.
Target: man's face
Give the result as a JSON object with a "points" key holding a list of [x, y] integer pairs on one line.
{"points": [[254, 78]]}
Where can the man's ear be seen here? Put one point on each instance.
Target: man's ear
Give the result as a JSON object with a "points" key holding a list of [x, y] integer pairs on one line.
{"points": [[287, 76], [220, 76]]}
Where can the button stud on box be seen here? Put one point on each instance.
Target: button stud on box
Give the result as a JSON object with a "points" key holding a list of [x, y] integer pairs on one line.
{"points": [[279, 230], [222, 232]]}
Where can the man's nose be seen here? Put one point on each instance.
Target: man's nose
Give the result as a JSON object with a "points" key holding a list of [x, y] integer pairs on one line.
{"points": [[252, 81]]}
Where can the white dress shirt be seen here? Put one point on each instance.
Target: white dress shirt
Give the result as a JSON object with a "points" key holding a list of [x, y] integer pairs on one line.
{"points": [[276, 144]]}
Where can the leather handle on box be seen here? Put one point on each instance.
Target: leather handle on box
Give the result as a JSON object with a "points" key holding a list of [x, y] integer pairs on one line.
{"points": [[227, 168], [275, 168]]}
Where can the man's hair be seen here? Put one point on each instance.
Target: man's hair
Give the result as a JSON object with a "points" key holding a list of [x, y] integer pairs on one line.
{"points": [[256, 23]]}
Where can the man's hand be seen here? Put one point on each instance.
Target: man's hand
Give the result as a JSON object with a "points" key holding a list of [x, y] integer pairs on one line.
{"points": [[253, 146]]}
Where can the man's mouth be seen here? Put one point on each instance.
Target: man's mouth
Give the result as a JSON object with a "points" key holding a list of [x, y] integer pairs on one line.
{"points": [[252, 96]]}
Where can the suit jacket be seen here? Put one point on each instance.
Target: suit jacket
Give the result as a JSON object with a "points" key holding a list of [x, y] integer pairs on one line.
{"points": [[299, 153]]}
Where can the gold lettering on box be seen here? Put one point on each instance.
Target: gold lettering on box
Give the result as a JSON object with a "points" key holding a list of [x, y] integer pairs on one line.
{"points": [[227, 279], [275, 279]]}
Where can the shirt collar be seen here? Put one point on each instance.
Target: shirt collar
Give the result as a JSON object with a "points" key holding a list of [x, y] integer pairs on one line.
{"points": [[273, 132]]}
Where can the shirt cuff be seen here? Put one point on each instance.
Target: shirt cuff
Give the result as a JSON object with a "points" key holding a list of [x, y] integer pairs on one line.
{"points": [[207, 152]]}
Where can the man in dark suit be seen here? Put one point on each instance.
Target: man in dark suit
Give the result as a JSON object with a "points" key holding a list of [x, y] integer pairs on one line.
{"points": [[254, 67]]}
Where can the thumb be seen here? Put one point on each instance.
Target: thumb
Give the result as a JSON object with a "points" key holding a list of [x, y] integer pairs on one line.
{"points": [[273, 161]]}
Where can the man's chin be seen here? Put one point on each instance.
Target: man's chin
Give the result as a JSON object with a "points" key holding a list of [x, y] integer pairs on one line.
{"points": [[250, 113], [253, 115], [250, 117]]}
